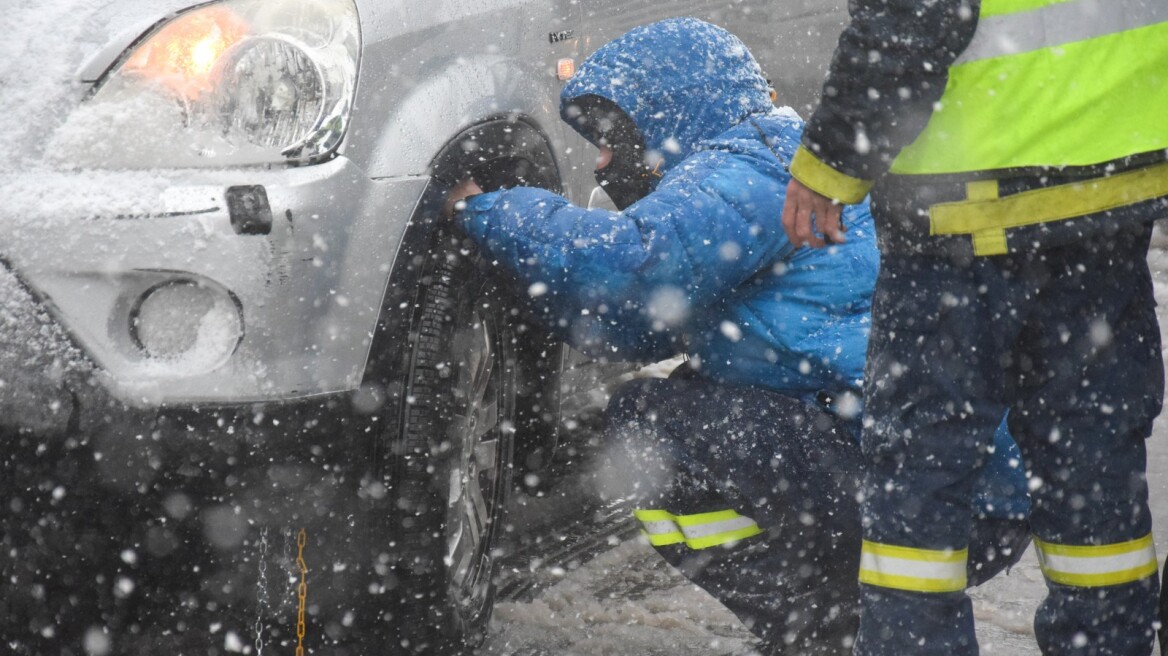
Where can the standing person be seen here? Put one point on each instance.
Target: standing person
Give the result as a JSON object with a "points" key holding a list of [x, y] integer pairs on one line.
{"points": [[744, 464], [1017, 149]]}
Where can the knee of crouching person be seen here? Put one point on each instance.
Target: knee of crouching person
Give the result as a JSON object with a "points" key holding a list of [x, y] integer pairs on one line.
{"points": [[636, 462]]}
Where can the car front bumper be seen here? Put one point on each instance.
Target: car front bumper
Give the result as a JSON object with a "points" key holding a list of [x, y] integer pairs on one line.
{"points": [[91, 245]]}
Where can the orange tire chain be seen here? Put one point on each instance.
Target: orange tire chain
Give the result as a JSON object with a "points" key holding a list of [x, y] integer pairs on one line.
{"points": [[301, 591]]}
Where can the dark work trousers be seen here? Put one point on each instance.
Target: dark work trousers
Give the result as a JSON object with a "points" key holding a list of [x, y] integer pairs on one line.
{"points": [[691, 447], [1066, 339], [1163, 632]]}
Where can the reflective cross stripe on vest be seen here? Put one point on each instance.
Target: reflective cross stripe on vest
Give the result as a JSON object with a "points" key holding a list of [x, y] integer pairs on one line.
{"points": [[699, 531], [915, 570], [1002, 30], [986, 217], [1094, 567], [1050, 83]]}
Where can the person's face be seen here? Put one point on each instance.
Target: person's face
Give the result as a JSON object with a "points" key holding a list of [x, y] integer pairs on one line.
{"points": [[604, 157], [621, 171], [620, 165]]}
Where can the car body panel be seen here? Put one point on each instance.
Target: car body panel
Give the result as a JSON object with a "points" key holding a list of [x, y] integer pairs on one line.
{"points": [[449, 66], [89, 243], [310, 290], [792, 39]]}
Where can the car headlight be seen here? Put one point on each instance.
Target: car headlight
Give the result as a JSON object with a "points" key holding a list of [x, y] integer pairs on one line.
{"points": [[228, 83]]}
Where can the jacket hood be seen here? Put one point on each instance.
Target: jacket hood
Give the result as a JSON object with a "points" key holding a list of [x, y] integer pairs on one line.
{"points": [[681, 80]]}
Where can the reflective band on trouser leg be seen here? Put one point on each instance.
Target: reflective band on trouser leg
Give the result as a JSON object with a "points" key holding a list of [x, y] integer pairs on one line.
{"points": [[1096, 567], [915, 570], [699, 531], [659, 527]]}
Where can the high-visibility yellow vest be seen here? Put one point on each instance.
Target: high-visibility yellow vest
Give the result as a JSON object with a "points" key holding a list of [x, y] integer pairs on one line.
{"points": [[1051, 83]]}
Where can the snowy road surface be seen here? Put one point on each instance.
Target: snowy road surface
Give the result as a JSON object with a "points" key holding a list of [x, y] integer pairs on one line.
{"points": [[627, 601]]}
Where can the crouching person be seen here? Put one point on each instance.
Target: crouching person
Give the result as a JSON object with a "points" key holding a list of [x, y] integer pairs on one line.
{"points": [[744, 465]]}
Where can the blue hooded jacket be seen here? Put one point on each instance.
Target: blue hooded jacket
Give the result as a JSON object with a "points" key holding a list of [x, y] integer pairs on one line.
{"points": [[701, 265]]}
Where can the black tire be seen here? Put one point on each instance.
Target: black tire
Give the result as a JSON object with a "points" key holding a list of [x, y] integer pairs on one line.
{"points": [[540, 361], [432, 526], [453, 460]]}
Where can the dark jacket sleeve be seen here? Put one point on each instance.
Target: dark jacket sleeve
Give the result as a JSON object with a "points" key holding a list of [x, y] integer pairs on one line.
{"points": [[888, 71], [629, 278]]}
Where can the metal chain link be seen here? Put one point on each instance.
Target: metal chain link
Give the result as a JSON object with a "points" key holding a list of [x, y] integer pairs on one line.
{"points": [[286, 563], [301, 591], [262, 600]]}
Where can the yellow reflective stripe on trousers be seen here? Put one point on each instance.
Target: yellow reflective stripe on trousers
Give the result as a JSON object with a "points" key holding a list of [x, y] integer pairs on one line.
{"points": [[698, 531], [914, 570], [659, 526], [985, 216], [1048, 103], [1095, 567]]}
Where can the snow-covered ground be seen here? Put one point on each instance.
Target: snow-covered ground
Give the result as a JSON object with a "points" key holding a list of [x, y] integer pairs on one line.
{"points": [[627, 601]]}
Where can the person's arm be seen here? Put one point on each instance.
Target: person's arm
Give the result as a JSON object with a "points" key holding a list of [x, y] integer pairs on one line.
{"points": [[683, 246], [456, 199], [888, 72], [574, 269]]}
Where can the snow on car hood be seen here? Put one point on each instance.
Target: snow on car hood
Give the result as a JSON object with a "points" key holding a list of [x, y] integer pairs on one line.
{"points": [[45, 47]]}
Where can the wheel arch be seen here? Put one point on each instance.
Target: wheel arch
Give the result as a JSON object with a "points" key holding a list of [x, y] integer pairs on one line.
{"points": [[499, 136], [423, 112]]}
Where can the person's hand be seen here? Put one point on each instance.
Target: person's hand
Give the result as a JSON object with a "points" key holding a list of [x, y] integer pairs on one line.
{"points": [[806, 210], [461, 191]]}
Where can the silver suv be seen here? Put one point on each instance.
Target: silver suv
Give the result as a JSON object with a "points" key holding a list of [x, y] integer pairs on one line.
{"points": [[231, 302]]}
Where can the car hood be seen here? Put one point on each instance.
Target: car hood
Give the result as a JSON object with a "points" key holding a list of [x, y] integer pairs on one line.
{"points": [[51, 53]]}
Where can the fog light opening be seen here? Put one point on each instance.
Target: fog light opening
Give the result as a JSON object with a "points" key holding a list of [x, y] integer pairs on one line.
{"points": [[182, 323]]}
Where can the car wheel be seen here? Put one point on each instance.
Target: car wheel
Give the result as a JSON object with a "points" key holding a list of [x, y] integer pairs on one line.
{"points": [[454, 456], [541, 359]]}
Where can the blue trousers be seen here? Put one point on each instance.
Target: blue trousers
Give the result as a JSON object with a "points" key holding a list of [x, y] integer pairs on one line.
{"points": [[693, 447], [1067, 340]]}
